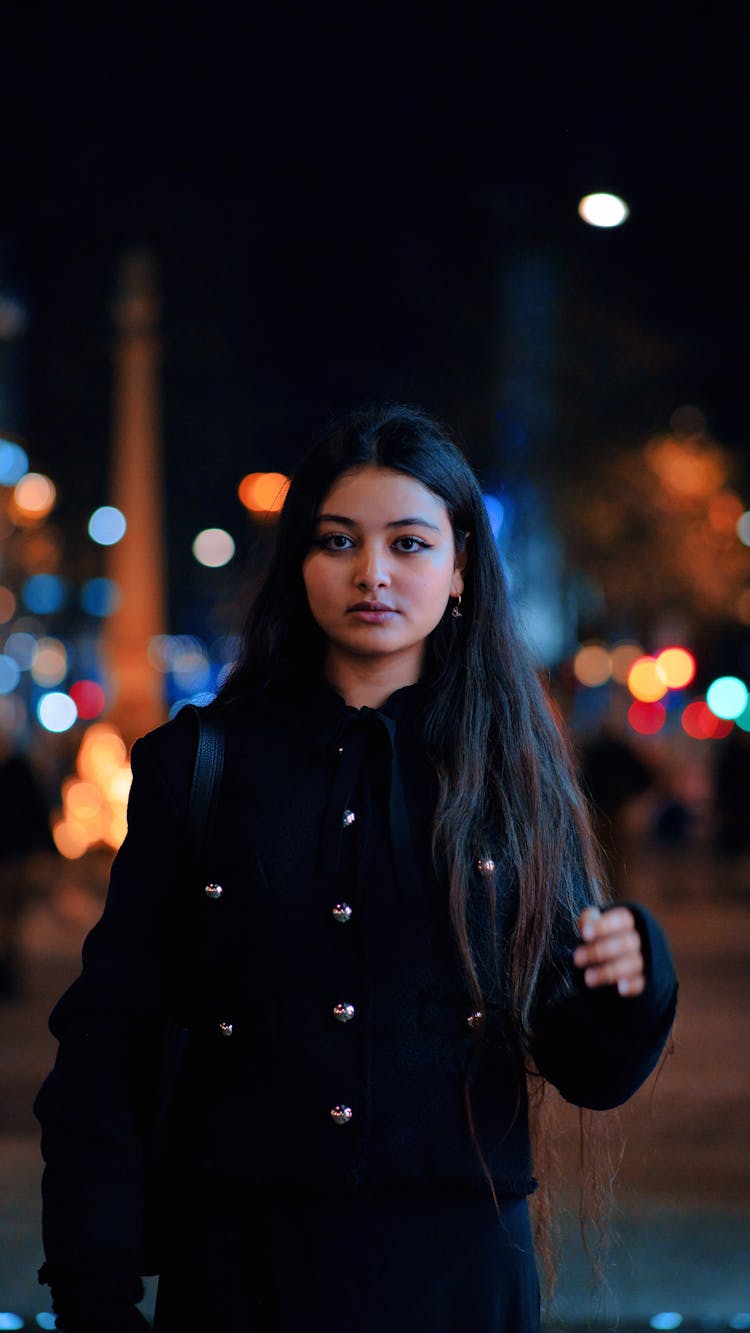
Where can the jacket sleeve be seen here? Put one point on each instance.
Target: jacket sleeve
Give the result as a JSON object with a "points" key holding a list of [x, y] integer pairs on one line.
{"points": [[596, 1046], [94, 1105]]}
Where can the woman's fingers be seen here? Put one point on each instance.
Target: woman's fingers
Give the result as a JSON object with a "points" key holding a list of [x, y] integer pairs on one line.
{"points": [[611, 954]]}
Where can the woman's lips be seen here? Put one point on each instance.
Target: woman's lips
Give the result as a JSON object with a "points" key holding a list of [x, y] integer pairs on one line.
{"points": [[372, 613]]}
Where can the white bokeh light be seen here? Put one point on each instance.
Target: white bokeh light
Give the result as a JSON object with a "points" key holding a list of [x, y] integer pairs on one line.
{"points": [[213, 547], [603, 210]]}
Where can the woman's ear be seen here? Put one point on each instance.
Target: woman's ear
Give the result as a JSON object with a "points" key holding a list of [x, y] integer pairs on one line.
{"points": [[461, 561]]}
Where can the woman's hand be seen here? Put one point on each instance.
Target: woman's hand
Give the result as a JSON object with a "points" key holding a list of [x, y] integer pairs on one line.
{"points": [[612, 953]]}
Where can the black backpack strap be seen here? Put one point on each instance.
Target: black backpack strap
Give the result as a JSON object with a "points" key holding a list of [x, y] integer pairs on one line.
{"points": [[204, 792]]}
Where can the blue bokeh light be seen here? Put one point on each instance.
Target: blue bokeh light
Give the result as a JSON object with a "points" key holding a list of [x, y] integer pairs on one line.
{"points": [[21, 646], [107, 525], [44, 594], [14, 463], [495, 513], [10, 674], [100, 597]]}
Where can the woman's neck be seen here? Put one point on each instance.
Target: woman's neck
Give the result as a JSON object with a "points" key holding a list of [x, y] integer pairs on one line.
{"points": [[367, 683]]}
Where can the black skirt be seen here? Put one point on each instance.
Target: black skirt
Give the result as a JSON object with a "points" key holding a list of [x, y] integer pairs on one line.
{"points": [[374, 1262]]}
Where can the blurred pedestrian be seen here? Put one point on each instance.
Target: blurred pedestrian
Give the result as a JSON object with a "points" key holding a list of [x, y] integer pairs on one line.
{"points": [[398, 913]]}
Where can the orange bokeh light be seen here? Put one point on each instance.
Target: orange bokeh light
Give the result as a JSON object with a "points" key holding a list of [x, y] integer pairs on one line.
{"points": [[623, 656], [725, 509], [676, 666], [34, 495], [592, 665], [95, 801], [645, 682], [263, 492]]}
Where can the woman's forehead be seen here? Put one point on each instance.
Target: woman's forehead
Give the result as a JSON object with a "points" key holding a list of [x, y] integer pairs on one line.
{"points": [[380, 494]]}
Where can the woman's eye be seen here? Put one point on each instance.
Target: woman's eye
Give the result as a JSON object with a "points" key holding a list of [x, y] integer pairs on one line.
{"points": [[408, 544], [335, 541]]}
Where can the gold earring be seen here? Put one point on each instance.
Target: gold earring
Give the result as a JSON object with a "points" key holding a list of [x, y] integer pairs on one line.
{"points": [[456, 611]]}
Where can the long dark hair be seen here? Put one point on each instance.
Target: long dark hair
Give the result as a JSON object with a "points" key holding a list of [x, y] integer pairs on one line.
{"points": [[502, 764]]}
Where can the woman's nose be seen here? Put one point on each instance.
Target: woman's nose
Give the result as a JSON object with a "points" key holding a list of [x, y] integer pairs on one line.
{"points": [[372, 569]]}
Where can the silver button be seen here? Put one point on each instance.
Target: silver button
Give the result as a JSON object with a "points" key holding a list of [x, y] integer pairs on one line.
{"points": [[485, 865], [349, 818], [226, 1029], [213, 890], [341, 1115], [344, 1013], [342, 913], [476, 1019]]}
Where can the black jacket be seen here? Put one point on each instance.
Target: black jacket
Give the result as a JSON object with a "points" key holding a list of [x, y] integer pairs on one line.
{"points": [[321, 850]]}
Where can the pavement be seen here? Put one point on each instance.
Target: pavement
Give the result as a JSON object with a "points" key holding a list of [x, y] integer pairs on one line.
{"points": [[680, 1252]]}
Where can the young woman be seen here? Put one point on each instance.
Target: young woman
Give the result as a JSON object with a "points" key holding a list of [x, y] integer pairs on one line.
{"points": [[398, 921]]}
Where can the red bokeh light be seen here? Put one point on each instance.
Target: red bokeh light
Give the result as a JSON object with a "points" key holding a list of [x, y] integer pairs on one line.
{"points": [[703, 725], [89, 698], [646, 718]]}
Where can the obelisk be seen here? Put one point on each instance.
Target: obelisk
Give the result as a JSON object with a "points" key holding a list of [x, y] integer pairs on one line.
{"points": [[137, 562]]}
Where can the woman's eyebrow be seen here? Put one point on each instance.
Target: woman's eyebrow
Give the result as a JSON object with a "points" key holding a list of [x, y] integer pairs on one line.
{"points": [[412, 522]]}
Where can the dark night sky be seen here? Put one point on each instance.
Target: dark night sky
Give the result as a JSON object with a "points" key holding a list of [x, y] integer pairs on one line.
{"points": [[332, 195]]}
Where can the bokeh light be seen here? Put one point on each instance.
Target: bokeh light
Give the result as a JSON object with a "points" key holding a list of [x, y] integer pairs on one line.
{"points": [[34, 495], [13, 714], [495, 513], [644, 681], [213, 547], [14, 463], [743, 528], [686, 467], [44, 594], [724, 511], [89, 698], [50, 664], [22, 647], [623, 655], [603, 210], [7, 605], [161, 651], [727, 697], [263, 492], [700, 723], [646, 718], [107, 526], [592, 664], [95, 802], [100, 597], [676, 666], [191, 668], [743, 721], [56, 712], [10, 674]]}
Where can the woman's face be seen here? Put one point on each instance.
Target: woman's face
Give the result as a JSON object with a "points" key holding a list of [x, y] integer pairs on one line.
{"points": [[381, 568]]}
